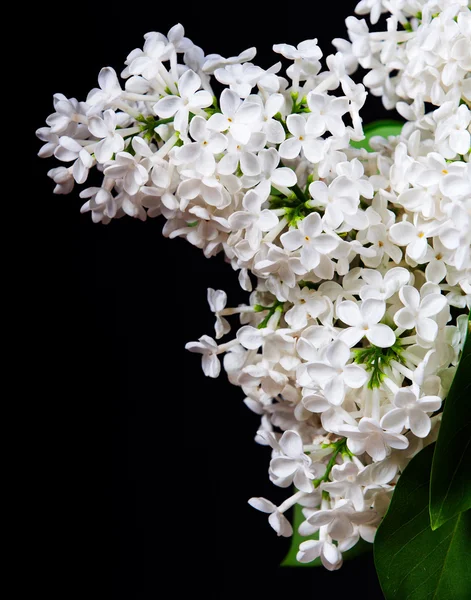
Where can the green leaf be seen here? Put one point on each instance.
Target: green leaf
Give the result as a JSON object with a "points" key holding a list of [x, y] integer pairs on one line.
{"points": [[290, 558], [383, 128], [413, 562], [450, 487]]}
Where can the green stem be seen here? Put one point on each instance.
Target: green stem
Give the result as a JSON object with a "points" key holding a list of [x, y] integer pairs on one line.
{"points": [[271, 311], [299, 193], [339, 447]]}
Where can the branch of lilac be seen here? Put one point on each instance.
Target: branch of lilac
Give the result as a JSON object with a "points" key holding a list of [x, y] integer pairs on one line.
{"points": [[357, 263]]}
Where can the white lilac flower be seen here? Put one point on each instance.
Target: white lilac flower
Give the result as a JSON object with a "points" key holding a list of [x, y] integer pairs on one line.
{"points": [[69, 112], [417, 312], [382, 288], [276, 519], [326, 113], [306, 136], [364, 321], [368, 436], [109, 90], [335, 375], [347, 482], [132, 173], [414, 236], [240, 78], [215, 61], [271, 127], [217, 300], [201, 152], [410, 412], [340, 200], [308, 50], [329, 553], [347, 345], [236, 116], [190, 99], [208, 348], [339, 520], [105, 129], [313, 243], [273, 175], [292, 464]]}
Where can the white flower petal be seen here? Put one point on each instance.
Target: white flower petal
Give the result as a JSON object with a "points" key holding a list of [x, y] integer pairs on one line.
{"points": [[427, 329], [291, 444], [354, 376], [168, 106], [349, 313], [419, 422], [372, 311], [381, 336], [250, 337], [432, 304], [262, 505], [284, 176], [394, 420]]}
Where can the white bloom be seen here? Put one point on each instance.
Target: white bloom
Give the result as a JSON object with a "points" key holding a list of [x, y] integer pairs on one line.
{"points": [[189, 100], [371, 438], [254, 220], [243, 155], [382, 288], [105, 129], [417, 312], [372, 7], [437, 259], [209, 361], [240, 78], [281, 262], [365, 320], [210, 189], [335, 374], [68, 113], [340, 200], [276, 519], [236, 116], [100, 203], [414, 236], [201, 152], [63, 178], [326, 113], [109, 90], [176, 37], [271, 174], [308, 50], [147, 62], [50, 139], [452, 134], [308, 304], [271, 127], [215, 61], [329, 554], [324, 269], [411, 412], [348, 483], [127, 168], [217, 300], [293, 465], [339, 520], [314, 244], [377, 235], [306, 136]]}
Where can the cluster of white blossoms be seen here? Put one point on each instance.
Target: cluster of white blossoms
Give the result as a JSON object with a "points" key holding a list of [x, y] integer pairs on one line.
{"points": [[358, 262]]}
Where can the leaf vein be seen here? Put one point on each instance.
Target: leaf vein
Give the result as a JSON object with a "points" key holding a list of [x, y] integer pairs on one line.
{"points": [[451, 480]]}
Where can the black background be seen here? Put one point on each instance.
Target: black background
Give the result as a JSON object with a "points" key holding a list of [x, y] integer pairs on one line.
{"points": [[139, 467]]}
